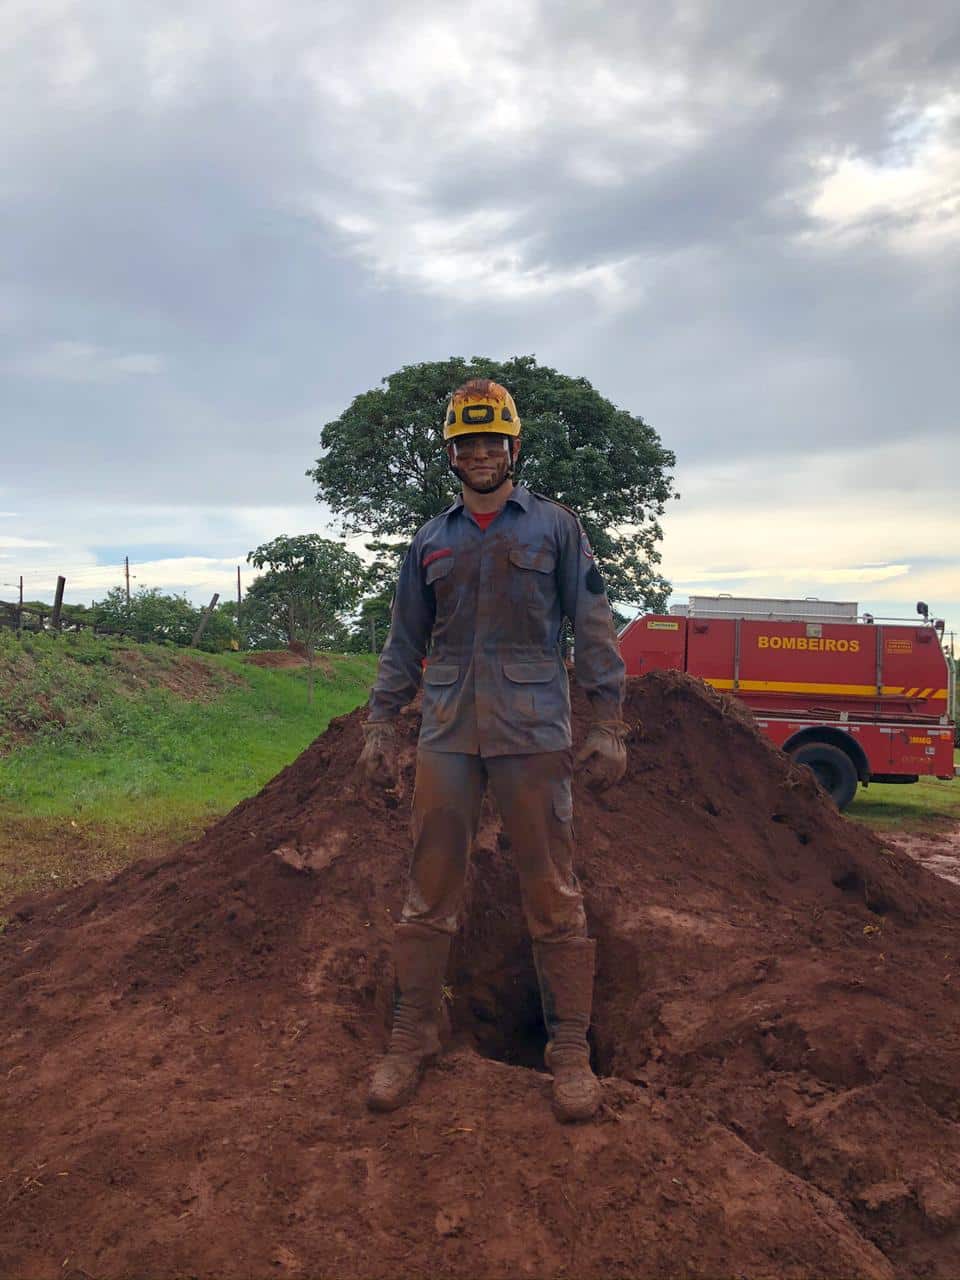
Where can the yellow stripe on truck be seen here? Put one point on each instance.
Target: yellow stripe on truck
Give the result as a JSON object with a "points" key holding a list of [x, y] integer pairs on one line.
{"points": [[785, 686], [852, 690]]}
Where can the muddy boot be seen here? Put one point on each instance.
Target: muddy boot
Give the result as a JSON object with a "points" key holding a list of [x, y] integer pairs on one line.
{"points": [[420, 960], [565, 970]]}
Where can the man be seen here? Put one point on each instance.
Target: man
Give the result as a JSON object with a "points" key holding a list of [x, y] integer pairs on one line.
{"points": [[485, 587]]}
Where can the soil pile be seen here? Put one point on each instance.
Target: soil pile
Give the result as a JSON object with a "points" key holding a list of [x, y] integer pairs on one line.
{"points": [[294, 657], [184, 1050]]}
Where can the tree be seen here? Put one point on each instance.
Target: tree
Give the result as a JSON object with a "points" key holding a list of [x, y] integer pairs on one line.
{"points": [[384, 472], [221, 633], [149, 615], [265, 617], [310, 584], [376, 607]]}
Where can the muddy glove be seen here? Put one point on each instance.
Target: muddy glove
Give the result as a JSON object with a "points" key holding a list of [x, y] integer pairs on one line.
{"points": [[603, 756], [378, 759]]}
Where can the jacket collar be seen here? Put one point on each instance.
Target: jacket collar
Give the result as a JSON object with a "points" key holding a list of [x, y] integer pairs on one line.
{"points": [[520, 495]]}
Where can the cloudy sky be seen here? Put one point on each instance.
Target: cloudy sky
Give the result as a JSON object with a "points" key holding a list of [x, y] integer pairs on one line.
{"points": [[222, 220]]}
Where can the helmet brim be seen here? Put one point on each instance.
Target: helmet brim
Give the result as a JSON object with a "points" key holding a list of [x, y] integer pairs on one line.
{"points": [[451, 431]]}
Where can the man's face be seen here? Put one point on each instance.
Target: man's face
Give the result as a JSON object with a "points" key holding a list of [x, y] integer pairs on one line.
{"points": [[482, 460]]}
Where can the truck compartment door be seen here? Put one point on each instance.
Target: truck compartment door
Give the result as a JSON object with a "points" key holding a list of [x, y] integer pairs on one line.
{"points": [[711, 644], [653, 643]]}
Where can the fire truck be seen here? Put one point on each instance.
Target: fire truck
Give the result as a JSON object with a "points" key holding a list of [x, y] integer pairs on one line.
{"points": [[859, 699]]}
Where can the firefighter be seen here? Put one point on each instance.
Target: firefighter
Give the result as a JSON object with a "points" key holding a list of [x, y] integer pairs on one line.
{"points": [[484, 588]]}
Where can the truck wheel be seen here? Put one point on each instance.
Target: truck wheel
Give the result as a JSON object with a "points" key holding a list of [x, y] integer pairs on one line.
{"points": [[832, 768]]}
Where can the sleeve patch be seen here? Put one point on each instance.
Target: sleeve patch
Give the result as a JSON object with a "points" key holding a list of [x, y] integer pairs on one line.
{"points": [[585, 546], [595, 581]]}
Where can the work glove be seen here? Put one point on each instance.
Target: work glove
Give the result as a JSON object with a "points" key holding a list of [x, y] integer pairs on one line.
{"points": [[378, 759], [603, 756]]}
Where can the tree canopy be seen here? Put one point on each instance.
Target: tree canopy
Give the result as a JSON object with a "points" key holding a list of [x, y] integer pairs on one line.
{"points": [[309, 585], [383, 469]]}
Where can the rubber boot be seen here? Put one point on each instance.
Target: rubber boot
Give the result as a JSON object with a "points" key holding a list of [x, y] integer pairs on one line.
{"points": [[565, 971], [420, 960]]}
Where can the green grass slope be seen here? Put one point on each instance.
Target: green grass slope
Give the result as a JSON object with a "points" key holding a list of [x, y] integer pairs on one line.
{"points": [[110, 748]]}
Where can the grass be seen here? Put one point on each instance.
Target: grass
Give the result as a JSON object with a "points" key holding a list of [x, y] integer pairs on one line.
{"points": [[113, 750], [924, 805]]}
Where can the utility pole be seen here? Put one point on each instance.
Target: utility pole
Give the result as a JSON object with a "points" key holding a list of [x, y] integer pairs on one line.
{"points": [[239, 632], [204, 619], [20, 608], [55, 621], [373, 635], [126, 574]]}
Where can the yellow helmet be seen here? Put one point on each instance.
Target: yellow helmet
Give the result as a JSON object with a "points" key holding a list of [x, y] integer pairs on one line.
{"points": [[481, 405]]}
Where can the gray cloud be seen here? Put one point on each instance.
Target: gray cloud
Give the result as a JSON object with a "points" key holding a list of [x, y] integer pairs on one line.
{"points": [[228, 220]]}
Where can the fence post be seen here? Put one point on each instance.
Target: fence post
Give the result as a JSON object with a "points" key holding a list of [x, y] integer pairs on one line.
{"points": [[205, 618], [57, 604], [239, 628]]}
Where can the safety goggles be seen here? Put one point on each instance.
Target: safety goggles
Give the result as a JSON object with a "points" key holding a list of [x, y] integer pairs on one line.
{"points": [[487, 442]]}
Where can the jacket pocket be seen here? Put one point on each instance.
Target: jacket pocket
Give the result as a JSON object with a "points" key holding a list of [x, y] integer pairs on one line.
{"points": [[530, 672], [438, 569], [539, 561], [440, 673]]}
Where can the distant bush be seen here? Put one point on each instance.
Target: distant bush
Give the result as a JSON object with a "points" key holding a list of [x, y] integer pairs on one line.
{"points": [[150, 616]]}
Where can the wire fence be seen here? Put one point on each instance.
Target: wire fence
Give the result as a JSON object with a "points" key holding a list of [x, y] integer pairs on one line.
{"points": [[34, 615]]}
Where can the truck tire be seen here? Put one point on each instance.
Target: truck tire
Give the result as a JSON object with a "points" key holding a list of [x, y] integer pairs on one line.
{"points": [[832, 768]]}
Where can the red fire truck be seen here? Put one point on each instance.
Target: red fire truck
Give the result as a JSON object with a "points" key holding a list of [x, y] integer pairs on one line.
{"points": [[857, 698]]}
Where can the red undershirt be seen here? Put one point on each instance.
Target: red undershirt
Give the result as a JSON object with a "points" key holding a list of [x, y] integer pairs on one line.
{"points": [[485, 518]]}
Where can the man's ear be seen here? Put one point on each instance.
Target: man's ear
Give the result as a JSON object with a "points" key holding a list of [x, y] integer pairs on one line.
{"points": [[516, 448]]}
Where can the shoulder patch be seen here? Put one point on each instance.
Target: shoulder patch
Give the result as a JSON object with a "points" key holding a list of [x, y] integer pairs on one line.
{"points": [[595, 581], [585, 546]]}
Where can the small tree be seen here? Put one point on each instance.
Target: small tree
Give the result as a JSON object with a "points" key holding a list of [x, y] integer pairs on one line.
{"points": [[379, 584], [310, 583], [221, 633]]}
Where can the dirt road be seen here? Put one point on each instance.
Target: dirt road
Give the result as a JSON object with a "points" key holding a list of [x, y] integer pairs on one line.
{"points": [[938, 851]]}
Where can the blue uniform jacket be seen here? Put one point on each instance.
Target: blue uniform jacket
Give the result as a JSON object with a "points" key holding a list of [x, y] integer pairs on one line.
{"points": [[489, 607]]}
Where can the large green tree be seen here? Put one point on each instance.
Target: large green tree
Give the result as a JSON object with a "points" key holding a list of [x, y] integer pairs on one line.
{"points": [[383, 469]]}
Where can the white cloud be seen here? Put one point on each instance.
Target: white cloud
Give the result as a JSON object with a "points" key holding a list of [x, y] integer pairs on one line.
{"points": [[857, 574], [801, 526], [9, 541], [85, 362], [910, 196], [451, 256]]}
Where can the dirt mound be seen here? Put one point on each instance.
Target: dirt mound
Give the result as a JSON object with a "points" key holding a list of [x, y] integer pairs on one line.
{"points": [[289, 658], [185, 1048], [193, 678]]}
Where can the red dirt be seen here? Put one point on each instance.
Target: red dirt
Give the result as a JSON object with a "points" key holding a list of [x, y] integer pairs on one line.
{"points": [[185, 1048], [289, 658], [194, 679]]}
